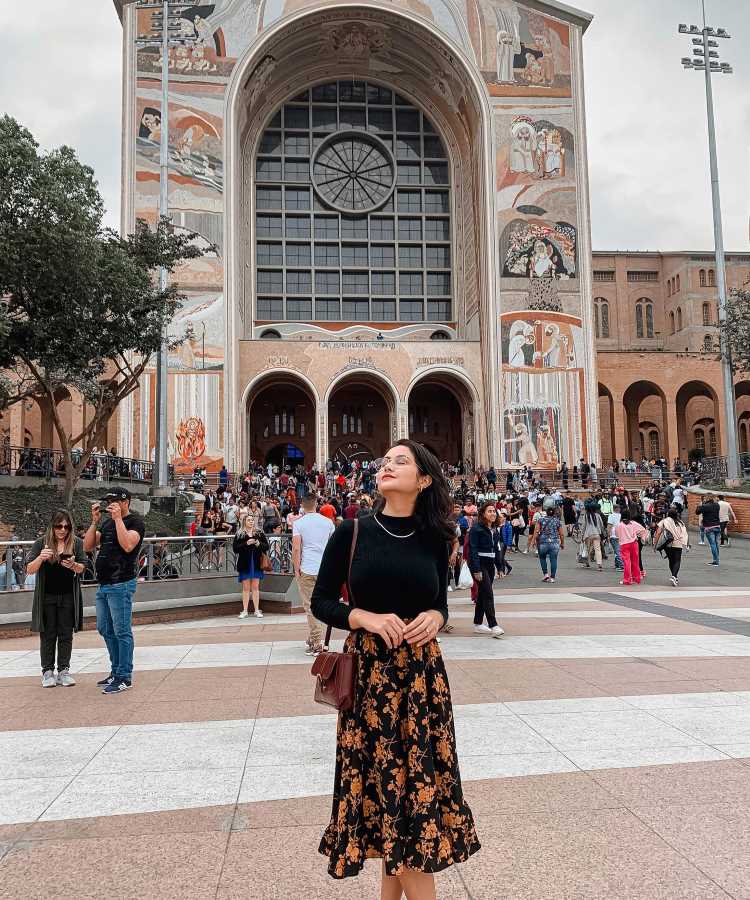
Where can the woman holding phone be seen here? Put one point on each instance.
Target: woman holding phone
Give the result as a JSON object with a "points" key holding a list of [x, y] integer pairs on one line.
{"points": [[58, 560], [249, 545]]}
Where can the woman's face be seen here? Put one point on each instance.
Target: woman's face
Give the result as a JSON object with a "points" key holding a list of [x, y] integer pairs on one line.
{"points": [[489, 515], [398, 473], [61, 528]]}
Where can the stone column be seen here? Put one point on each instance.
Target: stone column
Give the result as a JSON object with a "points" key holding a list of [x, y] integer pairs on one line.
{"points": [[620, 426], [321, 440], [669, 415]]}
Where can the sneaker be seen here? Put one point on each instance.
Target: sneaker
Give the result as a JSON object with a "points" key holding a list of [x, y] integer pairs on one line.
{"points": [[673, 580], [244, 614], [712, 564], [313, 649], [497, 631], [552, 581], [546, 578], [105, 681], [258, 614], [48, 678], [482, 629], [450, 588], [65, 679], [701, 543], [118, 686]]}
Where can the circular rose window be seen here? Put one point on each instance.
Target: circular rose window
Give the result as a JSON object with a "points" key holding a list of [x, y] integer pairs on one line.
{"points": [[353, 172]]}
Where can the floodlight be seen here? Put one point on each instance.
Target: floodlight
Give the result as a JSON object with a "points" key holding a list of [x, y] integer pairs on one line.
{"points": [[695, 30], [683, 29], [722, 33]]}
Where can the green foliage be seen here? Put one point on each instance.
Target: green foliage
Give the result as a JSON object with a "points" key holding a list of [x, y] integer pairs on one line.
{"points": [[84, 307], [737, 329]]}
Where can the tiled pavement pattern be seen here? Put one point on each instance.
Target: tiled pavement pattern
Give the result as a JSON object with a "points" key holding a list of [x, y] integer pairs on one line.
{"points": [[605, 752]]}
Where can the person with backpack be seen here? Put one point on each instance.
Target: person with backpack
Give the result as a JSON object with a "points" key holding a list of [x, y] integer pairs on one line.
{"points": [[630, 534], [592, 536], [549, 539], [671, 538]]}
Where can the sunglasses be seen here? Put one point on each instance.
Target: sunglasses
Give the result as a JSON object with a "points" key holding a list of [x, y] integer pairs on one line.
{"points": [[62, 527]]}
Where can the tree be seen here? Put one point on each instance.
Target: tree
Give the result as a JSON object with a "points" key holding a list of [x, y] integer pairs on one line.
{"points": [[737, 329], [84, 307]]}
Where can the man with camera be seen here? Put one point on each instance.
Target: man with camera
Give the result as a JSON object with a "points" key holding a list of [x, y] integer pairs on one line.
{"points": [[118, 533]]}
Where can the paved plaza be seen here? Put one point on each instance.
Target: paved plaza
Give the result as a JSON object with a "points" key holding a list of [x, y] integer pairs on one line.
{"points": [[604, 744]]}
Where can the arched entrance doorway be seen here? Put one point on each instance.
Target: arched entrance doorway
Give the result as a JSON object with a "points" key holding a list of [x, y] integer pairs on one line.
{"points": [[646, 412], [697, 409], [361, 413], [441, 416], [281, 421]]}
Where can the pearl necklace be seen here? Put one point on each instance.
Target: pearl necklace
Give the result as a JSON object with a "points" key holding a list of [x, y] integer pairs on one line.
{"points": [[399, 536]]}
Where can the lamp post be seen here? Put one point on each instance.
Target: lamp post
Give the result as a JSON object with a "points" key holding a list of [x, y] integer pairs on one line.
{"points": [[705, 59], [166, 31]]}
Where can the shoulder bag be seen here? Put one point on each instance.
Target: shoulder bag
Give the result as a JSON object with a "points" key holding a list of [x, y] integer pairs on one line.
{"points": [[334, 685]]}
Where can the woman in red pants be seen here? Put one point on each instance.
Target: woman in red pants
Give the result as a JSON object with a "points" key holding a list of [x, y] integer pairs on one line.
{"points": [[629, 533]]}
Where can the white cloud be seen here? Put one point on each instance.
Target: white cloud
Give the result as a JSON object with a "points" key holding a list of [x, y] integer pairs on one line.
{"points": [[60, 75]]}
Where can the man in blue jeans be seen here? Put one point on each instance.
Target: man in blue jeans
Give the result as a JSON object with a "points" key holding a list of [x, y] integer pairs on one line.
{"points": [[709, 510], [118, 533]]}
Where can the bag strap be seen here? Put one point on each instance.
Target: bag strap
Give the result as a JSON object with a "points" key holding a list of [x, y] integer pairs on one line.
{"points": [[327, 640]]}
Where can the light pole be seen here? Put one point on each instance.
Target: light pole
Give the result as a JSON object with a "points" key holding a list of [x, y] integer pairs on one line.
{"points": [[705, 59], [165, 32]]}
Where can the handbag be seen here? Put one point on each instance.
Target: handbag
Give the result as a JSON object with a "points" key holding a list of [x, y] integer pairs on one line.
{"points": [[265, 563], [665, 539], [465, 579], [334, 685]]}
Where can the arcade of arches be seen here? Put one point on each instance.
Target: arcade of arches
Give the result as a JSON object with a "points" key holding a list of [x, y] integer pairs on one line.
{"points": [[358, 417], [643, 414]]}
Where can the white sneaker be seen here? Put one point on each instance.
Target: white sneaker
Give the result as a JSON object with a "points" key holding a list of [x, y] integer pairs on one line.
{"points": [[673, 580], [482, 629], [243, 615], [48, 679], [701, 543], [65, 679], [450, 588], [497, 631], [258, 614]]}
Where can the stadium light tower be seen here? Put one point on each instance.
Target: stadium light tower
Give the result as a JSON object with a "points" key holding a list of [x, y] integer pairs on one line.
{"points": [[705, 58], [166, 30]]}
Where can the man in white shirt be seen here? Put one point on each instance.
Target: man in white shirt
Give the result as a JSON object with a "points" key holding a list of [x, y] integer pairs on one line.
{"points": [[310, 535], [726, 515]]}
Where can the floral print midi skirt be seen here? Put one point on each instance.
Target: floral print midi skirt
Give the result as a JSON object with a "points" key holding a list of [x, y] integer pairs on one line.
{"points": [[397, 791]]}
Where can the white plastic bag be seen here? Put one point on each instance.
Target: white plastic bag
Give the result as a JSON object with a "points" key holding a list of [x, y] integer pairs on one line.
{"points": [[465, 580]]}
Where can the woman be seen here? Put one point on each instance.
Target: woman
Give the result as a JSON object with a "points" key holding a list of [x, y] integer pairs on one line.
{"points": [[249, 545], [673, 524], [484, 539], [397, 793], [255, 516], [518, 523], [592, 536], [629, 533], [549, 539], [57, 560]]}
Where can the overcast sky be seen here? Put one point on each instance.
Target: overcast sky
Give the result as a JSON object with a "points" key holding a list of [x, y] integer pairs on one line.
{"points": [[60, 68]]}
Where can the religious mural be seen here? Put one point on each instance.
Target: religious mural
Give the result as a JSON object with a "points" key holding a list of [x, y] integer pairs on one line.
{"points": [[521, 52], [543, 358], [534, 248]]}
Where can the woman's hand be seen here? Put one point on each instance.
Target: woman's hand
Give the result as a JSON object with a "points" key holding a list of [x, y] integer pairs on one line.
{"points": [[477, 576], [68, 564], [423, 628], [46, 554], [389, 626]]}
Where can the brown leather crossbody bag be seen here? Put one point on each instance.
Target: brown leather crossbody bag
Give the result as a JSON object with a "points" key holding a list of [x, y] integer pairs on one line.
{"points": [[335, 672]]}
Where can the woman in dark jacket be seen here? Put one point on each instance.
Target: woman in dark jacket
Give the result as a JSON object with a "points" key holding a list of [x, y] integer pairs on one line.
{"points": [[58, 560], [249, 545], [484, 548]]}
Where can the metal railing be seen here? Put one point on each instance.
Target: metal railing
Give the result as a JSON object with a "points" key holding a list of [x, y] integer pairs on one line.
{"points": [[39, 462], [161, 558]]}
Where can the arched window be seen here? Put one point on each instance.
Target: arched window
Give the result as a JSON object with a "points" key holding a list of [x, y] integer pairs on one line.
{"points": [[669, 287], [373, 247], [679, 318], [671, 323], [677, 287], [708, 343], [711, 278], [644, 318], [706, 313], [743, 437], [601, 317], [712, 441], [702, 278], [440, 336], [653, 444], [699, 439]]}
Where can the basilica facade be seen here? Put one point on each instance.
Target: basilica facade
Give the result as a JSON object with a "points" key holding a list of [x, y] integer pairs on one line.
{"points": [[393, 199]]}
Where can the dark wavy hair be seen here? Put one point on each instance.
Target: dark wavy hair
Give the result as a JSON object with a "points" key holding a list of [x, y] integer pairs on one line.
{"points": [[434, 506], [486, 505]]}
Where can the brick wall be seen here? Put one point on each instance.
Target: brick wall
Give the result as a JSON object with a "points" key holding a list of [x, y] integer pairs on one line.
{"points": [[740, 505]]}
